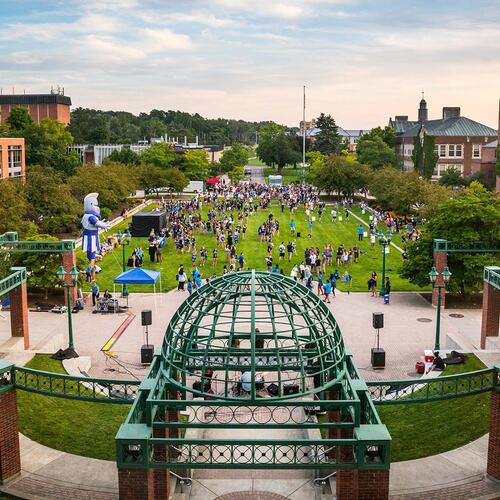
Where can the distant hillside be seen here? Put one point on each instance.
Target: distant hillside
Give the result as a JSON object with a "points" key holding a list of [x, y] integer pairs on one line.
{"points": [[102, 127]]}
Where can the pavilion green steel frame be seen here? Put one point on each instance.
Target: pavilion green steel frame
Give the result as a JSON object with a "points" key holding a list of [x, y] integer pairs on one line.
{"points": [[260, 323], [9, 241]]}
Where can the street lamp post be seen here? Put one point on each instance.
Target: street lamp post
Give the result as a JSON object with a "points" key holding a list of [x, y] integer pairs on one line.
{"points": [[385, 241], [445, 278], [124, 240], [68, 284]]}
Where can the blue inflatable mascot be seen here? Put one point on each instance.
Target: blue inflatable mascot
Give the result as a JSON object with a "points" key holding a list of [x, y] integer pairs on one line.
{"points": [[91, 223]]}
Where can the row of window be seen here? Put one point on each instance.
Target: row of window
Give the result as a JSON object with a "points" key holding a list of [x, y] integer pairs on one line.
{"points": [[14, 158], [448, 150], [441, 168]]}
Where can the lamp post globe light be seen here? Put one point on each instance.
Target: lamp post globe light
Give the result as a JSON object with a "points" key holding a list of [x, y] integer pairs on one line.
{"points": [[68, 284], [439, 284], [385, 241], [124, 240]]}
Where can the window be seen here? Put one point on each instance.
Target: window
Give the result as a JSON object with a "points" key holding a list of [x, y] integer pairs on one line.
{"points": [[476, 151], [442, 151], [455, 150], [14, 155]]}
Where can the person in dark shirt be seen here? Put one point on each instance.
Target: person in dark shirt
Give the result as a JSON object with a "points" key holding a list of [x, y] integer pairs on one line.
{"points": [[437, 364]]}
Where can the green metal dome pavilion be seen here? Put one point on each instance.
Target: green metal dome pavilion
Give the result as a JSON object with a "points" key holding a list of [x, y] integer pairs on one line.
{"points": [[257, 322]]}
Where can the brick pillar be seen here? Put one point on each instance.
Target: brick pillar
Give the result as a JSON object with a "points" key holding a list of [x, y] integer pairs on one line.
{"points": [[135, 484], [19, 313], [363, 484], [491, 311], [493, 467], [440, 259], [346, 480], [10, 456], [68, 261], [161, 477]]}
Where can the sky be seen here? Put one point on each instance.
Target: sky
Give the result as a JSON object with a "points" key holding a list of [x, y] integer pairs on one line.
{"points": [[362, 61]]}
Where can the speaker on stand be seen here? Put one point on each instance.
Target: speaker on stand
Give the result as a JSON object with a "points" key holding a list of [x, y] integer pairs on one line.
{"points": [[378, 354], [147, 350]]}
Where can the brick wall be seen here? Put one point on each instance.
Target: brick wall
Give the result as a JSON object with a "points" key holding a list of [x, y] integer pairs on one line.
{"points": [[135, 484], [10, 457], [363, 485], [493, 467]]}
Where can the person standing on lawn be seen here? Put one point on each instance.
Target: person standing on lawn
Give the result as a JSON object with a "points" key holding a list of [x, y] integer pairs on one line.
{"points": [[360, 233]]}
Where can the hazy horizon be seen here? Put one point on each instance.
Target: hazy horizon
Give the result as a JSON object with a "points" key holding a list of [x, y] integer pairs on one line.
{"points": [[362, 61]]}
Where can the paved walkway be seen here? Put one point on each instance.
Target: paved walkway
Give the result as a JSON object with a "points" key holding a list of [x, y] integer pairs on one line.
{"points": [[454, 475]]}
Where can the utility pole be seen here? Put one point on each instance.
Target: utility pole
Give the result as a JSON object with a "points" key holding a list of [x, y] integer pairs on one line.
{"points": [[304, 139]]}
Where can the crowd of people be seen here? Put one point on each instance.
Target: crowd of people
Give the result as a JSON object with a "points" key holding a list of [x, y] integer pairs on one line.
{"points": [[228, 210]]}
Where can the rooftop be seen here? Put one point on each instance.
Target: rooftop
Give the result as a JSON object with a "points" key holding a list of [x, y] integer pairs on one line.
{"points": [[25, 99], [452, 127]]}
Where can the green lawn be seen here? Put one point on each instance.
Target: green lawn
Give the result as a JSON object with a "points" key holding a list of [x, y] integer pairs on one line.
{"points": [[79, 427], [289, 174], [422, 429], [255, 252]]}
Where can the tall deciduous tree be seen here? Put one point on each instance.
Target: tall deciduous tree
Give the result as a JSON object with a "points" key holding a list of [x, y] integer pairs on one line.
{"points": [[373, 151], [14, 209], [469, 219], [236, 156], [125, 156], [160, 154], [196, 165], [19, 121], [328, 141], [51, 204], [176, 180], [275, 148]]}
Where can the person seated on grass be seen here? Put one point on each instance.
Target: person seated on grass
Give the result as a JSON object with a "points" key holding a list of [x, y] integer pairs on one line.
{"points": [[437, 364]]}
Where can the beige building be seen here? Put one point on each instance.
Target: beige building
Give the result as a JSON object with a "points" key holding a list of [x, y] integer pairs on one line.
{"points": [[12, 157]]}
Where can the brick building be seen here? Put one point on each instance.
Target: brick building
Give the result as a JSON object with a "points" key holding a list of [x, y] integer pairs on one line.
{"points": [[55, 106], [461, 143], [12, 157]]}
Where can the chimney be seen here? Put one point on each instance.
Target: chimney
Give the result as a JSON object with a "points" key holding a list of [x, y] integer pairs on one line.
{"points": [[451, 112], [400, 118]]}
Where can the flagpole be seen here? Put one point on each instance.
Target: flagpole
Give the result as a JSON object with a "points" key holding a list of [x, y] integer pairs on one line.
{"points": [[304, 139]]}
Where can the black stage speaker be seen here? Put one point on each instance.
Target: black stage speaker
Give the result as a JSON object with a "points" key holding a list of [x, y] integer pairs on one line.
{"points": [[378, 320], [147, 352], [378, 356], [290, 389], [146, 317], [273, 389]]}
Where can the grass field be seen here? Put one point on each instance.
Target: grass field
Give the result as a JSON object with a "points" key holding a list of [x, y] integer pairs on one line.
{"points": [[78, 427], [255, 252], [289, 174]]}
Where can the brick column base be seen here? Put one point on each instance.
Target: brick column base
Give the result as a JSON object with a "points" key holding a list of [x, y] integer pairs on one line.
{"points": [[19, 313], [362, 484], [68, 261], [10, 456], [136, 484], [491, 311], [493, 467], [440, 261]]}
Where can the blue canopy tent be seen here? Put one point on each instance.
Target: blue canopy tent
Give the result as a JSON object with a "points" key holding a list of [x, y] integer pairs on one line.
{"points": [[138, 276]]}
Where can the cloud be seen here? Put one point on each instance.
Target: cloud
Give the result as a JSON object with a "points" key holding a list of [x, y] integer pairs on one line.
{"points": [[165, 39]]}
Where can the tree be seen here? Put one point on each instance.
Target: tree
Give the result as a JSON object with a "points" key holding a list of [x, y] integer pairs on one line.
{"points": [[387, 134], [236, 156], [274, 147], [160, 154], [14, 209], [114, 182], [236, 174], [468, 219], [452, 177], [373, 151], [19, 122], [50, 202], [151, 177], [196, 165], [328, 141], [47, 145], [125, 156], [176, 180]]}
